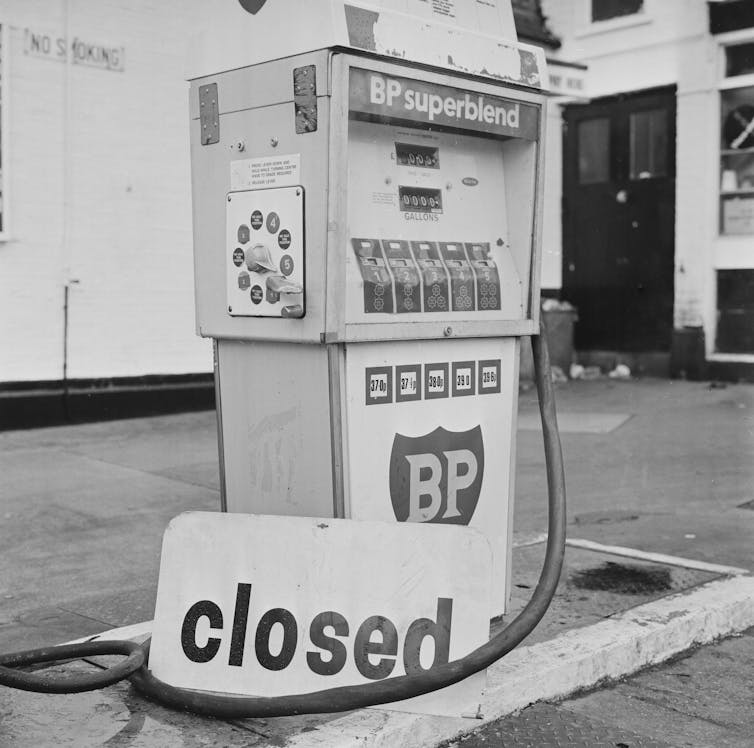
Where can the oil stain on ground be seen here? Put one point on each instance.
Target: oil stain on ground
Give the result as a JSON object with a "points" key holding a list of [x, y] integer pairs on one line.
{"points": [[625, 579]]}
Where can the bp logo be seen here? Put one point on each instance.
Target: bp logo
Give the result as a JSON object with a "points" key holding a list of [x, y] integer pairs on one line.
{"points": [[252, 6], [437, 477]]}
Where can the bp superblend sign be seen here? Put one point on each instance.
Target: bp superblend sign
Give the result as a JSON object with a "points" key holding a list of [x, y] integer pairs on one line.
{"points": [[406, 99], [261, 605]]}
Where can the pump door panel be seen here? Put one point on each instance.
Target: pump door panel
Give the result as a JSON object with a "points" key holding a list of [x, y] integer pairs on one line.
{"points": [[265, 252], [429, 227]]}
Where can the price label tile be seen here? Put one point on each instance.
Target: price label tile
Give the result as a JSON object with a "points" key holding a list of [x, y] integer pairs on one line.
{"points": [[489, 377], [463, 378], [408, 383], [435, 381], [379, 385]]}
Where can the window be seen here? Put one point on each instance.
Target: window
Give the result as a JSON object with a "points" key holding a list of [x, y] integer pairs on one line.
{"points": [[737, 143], [594, 150], [648, 133], [739, 60], [735, 311], [603, 10]]}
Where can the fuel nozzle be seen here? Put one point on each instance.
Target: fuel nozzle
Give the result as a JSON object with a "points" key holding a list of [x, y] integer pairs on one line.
{"points": [[259, 260], [280, 284]]}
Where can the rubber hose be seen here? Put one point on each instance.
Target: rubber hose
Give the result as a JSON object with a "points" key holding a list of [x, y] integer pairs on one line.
{"points": [[402, 687], [44, 683]]}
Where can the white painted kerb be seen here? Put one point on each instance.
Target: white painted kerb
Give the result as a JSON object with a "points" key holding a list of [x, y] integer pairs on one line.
{"points": [[579, 658]]}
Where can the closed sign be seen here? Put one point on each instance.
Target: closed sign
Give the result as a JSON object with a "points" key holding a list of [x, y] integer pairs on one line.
{"points": [[259, 605]]}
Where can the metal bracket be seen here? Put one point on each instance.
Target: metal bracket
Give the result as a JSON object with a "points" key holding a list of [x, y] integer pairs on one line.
{"points": [[305, 98], [209, 114]]}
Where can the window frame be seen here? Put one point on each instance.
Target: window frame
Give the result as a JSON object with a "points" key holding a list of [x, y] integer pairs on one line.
{"points": [[726, 84], [662, 168], [617, 18], [608, 163], [589, 28]]}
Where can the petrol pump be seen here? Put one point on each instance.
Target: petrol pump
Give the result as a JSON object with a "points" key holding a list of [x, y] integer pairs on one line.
{"points": [[367, 187]]}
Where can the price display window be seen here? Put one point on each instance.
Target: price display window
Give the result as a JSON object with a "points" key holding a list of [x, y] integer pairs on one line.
{"points": [[737, 143]]}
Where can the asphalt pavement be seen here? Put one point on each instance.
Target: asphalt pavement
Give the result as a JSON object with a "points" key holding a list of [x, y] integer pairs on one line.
{"points": [[661, 467]]}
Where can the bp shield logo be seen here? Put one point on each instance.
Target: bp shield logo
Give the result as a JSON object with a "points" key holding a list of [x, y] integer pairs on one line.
{"points": [[252, 6], [437, 477]]}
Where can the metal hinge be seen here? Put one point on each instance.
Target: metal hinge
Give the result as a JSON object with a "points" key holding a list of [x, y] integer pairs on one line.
{"points": [[305, 98], [209, 114]]}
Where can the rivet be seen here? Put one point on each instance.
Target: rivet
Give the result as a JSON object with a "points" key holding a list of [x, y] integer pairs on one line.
{"points": [[447, 332]]}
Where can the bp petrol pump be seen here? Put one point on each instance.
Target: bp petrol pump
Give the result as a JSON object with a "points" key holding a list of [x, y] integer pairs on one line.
{"points": [[366, 218], [367, 184]]}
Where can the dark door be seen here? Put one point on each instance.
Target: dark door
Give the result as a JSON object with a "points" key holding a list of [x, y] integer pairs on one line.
{"points": [[618, 220]]}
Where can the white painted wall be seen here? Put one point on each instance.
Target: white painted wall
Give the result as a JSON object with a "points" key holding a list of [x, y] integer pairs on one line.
{"points": [[100, 193]]}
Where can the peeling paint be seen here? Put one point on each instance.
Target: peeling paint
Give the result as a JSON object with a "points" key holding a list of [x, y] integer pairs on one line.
{"points": [[408, 38]]}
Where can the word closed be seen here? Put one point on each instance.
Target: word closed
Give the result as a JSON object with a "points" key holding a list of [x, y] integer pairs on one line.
{"points": [[375, 645]]}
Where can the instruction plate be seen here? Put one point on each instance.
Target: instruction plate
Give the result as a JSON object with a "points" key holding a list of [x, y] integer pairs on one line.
{"points": [[264, 252], [270, 171]]}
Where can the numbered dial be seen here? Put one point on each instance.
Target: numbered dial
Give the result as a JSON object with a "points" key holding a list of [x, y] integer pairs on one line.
{"points": [[265, 253]]}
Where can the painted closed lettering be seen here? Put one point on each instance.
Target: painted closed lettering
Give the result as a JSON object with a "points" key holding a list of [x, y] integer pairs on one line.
{"points": [[375, 648]]}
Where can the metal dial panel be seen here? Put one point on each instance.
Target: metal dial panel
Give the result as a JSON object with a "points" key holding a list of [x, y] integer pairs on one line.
{"points": [[264, 252]]}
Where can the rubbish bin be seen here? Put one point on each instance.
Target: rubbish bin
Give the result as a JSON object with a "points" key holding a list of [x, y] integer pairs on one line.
{"points": [[687, 354], [560, 318]]}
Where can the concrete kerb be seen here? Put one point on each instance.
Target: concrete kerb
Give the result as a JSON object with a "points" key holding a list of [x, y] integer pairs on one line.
{"points": [[657, 558], [577, 659]]}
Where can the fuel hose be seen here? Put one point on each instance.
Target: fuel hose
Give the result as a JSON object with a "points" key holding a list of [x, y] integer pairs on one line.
{"points": [[344, 698], [43, 682]]}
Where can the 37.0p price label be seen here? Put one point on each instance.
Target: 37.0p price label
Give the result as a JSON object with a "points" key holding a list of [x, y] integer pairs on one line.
{"points": [[379, 385]]}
